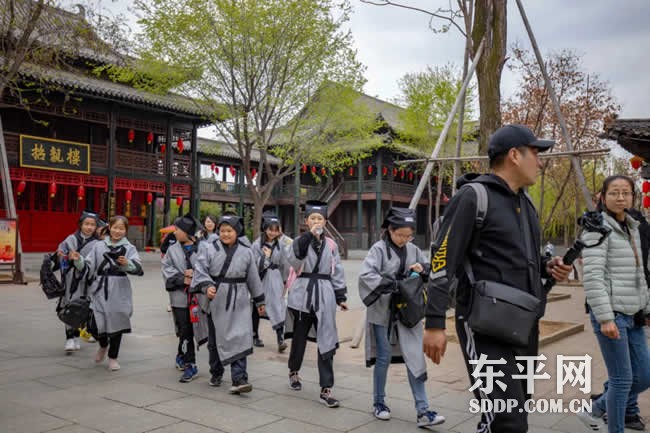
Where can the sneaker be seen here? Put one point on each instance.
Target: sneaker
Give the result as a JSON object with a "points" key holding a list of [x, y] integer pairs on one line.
{"points": [[101, 354], [190, 371], [77, 343], [282, 346], [294, 381], [634, 422], [86, 336], [327, 399], [113, 365], [240, 387], [69, 345], [429, 418], [381, 411], [257, 342], [594, 423], [180, 364], [91, 339], [215, 381]]}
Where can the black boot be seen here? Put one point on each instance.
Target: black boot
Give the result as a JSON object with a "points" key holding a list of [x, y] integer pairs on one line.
{"points": [[282, 345]]}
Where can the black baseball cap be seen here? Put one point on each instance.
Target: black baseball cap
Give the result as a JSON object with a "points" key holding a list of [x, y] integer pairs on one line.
{"points": [[509, 136]]}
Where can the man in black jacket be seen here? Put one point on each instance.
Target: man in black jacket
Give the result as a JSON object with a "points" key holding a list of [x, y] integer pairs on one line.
{"points": [[499, 254]]}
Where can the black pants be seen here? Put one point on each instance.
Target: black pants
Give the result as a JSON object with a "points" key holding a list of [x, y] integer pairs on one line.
{"points": [[473, 345], [71, 332], [238, 372], [113, 343], [256, 322], [302, 324], [185, 334]]}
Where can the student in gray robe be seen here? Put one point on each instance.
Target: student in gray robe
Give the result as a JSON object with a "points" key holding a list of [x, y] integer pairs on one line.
{"points": [[390, 259], [226, 272], [209, 230], [75, 281], [177, 271], [109, 263], [273, 269], [313, 296]]}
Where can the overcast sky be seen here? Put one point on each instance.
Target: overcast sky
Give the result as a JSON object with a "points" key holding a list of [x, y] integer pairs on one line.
{"points": [[613, 36]]}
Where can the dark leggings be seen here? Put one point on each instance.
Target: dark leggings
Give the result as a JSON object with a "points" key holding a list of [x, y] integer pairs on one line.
{"points": [[71, 332], [256, 322], [303, 322], [113, 342], [185, 334]]}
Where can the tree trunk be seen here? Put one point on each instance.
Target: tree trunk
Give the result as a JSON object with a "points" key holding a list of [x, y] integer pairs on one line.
{"points": [[490, 18]]}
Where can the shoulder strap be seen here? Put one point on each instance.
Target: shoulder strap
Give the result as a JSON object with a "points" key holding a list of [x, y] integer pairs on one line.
{"points": [[529, 244], [481, 213]]}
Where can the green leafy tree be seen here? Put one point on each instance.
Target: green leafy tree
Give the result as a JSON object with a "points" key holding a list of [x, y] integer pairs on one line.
{"points": [[265, 70]]}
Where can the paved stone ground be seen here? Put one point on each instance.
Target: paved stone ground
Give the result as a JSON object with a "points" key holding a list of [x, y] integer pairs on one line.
{"points": [[43, 390]]}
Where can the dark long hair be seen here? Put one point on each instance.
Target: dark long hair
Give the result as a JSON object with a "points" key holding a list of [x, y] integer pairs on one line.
{"points": [[606, 183]]}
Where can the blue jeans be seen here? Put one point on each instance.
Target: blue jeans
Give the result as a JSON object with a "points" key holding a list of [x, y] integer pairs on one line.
{"points": [[627, 359], [381, 372], [632, 407]]}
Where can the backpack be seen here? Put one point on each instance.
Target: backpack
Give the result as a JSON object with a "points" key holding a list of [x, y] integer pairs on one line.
{"points": [[481, 213], [52, 287], [410, 302]]}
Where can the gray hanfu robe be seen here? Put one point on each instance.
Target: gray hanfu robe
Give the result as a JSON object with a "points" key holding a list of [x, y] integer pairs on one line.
{"points": [[379, 269], [75, 281], [231, 307], [273, 271], [316, 290], [111, 293], [174, 263]]}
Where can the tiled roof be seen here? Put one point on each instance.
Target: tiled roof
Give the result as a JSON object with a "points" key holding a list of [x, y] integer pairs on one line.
{"points": [[221, 148], [639, 128], [82, 83]]}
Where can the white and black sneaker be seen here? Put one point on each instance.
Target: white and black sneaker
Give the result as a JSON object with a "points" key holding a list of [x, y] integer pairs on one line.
{"points": [[294, 381], [593, 422], [215, 381], [240, 387], [381, 411], [327, 399], [429, 418]]}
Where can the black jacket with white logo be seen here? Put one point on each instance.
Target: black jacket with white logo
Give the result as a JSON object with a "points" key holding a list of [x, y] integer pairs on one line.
{"points": [[500, 254]]}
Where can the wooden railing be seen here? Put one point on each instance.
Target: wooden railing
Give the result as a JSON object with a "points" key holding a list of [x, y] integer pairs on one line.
{"points": [[387, 186]]}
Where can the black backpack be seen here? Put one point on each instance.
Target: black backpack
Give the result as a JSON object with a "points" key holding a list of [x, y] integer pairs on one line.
{"points": [[76, 312], [52, 287]]}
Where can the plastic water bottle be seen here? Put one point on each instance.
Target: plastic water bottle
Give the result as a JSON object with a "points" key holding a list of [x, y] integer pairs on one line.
{"points": [[64, 263], [319, 230]]}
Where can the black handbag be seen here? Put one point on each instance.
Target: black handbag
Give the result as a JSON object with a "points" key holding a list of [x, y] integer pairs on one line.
{"points": [[497, 310], [76, 312], [409, 302], [52, 287]]}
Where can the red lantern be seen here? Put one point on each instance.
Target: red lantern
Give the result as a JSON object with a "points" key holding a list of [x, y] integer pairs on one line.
{"points": [[213, 166], [162, 148], [384, 170], [253, 173], [394, 172], [646, 187], [646, 201], [410, 175], [149, 198], [128, 195], [304, 168], [233, 172], [21, 187], [131, 135], [323, 171], [179, 201], [150, 137], [636, 162], [313, 169], [52, 189], [180, 145], [351, 171], [81, 192], [370, 169], [401, 174]]}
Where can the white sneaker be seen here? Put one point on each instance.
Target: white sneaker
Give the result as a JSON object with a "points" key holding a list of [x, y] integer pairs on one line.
{"points": [[381, 412], [77, 343], [113, 365], [592, 422], [69, 345]]}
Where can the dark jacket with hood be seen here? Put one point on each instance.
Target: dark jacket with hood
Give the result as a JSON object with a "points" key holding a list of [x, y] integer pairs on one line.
{"points": [[500, 254]]}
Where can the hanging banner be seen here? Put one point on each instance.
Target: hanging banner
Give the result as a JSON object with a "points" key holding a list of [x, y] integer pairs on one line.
{"points": [[8, 240], [51, 154]]}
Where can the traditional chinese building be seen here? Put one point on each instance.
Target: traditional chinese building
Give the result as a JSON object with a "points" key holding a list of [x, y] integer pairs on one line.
{"points": [[90, 143]]}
